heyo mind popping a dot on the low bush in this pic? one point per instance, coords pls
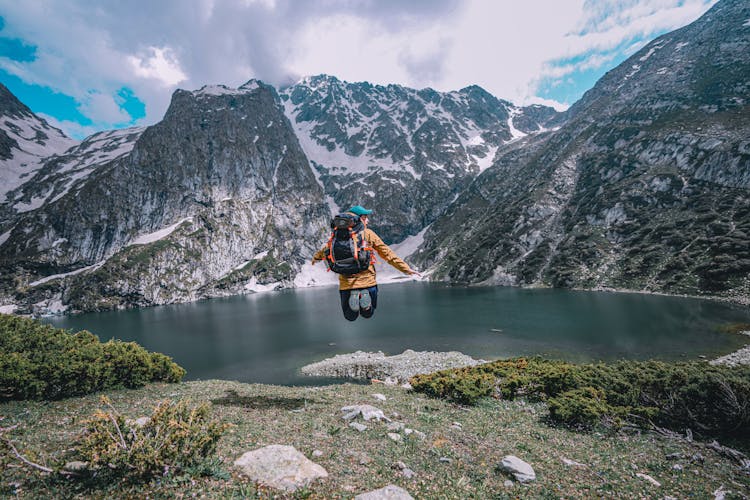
(39, 361)
(713, 400)
(177, 437)
(465, 388)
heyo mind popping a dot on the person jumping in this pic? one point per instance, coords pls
(349, 252)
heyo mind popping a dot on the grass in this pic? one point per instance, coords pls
(310, 419)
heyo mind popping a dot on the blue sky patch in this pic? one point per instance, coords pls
(44, 100)
(15, 48)
(129, 102)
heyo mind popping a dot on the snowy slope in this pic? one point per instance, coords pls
(25, 142)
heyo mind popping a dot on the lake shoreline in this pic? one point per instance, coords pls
(56, 308)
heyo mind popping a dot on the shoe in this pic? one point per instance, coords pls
(354, 300)
(365, 301)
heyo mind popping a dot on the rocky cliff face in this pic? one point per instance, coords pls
(646, 186)
(215, 199)
(407, 153)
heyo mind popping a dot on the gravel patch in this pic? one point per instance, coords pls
(398, 368)
(739, 357)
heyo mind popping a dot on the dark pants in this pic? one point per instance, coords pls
(352, 315)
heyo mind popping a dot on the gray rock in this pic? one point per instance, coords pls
(358, 426)
(648, 478)
(395, 437)
(317, 453)
(405, 471)
(572, 463)
(395, 426)
(522, 471)
(76, 466)
(281, 467)
(368, 412)
(508, 483)
(446, 460)
(379, 397)
(390, 492)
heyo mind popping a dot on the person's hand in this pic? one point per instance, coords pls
(313, 261)
(414, 273)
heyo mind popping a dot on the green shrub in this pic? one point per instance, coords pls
(583, 407)
(39, 361)
(713, 400)
(465, 388)
(176, 437)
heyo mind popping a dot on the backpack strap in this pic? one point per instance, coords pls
(330, 247)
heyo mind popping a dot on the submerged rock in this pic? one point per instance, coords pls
(399, 368)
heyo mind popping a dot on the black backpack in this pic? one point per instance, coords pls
(348, 251)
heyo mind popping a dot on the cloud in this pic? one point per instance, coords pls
(159, 64)
(92, 50)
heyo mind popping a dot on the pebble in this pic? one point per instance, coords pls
(508, 483)
(379, 397)
(358, 426)
(677, 467)
(395, 426)
(446, 460)
(395, 437)
(572, 463)
(317, 453)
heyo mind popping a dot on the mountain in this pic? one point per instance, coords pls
(405, 152)
(231, 192)
(217, 198)
(645, 186)
(25, 142)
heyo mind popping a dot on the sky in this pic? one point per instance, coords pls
(92, 65)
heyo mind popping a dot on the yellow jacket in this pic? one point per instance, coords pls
(366, 278)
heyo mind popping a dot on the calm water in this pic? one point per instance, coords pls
(267, 337)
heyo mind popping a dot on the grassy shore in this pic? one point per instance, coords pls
(452, 461)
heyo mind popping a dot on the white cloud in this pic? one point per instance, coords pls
(160, 64)
(506, 46)
(103, 108)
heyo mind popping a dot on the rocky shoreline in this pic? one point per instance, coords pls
(738, 357)
(393, 369)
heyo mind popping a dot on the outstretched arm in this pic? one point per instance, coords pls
(389, 255)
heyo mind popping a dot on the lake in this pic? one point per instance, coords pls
(267, 337)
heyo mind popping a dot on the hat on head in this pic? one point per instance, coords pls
(359, 210)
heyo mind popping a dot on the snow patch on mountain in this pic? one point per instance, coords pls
(63, 275)
(160, 234)
(36, 141)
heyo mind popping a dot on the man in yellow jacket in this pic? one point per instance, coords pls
(359, 292)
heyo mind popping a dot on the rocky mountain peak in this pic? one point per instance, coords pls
(646, 186)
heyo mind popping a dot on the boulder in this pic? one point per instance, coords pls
(522, 471)
(390, 492)
(280, 467)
